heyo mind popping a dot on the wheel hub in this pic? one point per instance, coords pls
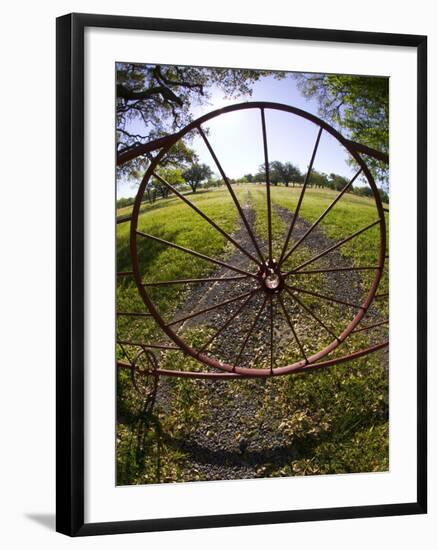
(270, 277)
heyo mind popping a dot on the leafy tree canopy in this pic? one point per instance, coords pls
(284, 172)
(172, 175)
(196, 174)
(157, 99)
(357, 106)
(337, 182)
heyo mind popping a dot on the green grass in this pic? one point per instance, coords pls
(335, 419)
(178, 223)
(349, 215)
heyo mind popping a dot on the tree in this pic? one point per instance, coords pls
(155, 100)
(284, 173)
(178, 155)
(211, 182)
(171, 175)
(337, 182)
(319, 179)
(196, 174)
(274, 175)
(151, 193)
(260, 177)
(367, 192)
(356, 105)
(124, 202)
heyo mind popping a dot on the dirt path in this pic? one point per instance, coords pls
(233, 440)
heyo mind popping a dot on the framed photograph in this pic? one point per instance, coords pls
(241, 274)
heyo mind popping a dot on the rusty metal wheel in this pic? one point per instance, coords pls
(268, 280)
(143, 377)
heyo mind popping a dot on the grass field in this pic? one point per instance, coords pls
(336, 420)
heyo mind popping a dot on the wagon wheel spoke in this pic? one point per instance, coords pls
(300, 199)
(336, 269)
(210, 308)
(125, 353)
(291, 325)
(331, 248)
(133, 314)
(250, 331)
(311, 313)
(324, 297)
(268, 183)
(322, 216)
(229, 320)
(194, 253)
(271, 330)
(206, 218)
(199, 280)
(369, 327)
(152, 346)
(232, 193)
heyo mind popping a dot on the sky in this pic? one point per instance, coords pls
(238, 141)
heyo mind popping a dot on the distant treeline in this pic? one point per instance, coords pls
(288, 174)
(280, 173)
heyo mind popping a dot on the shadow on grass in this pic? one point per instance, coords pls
(272, 459)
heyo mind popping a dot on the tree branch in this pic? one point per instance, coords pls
(131, 95)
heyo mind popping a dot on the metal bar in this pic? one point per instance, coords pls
(250, 331)
(135, 152)
(323, 297)
(124, 219)
(259, 372)
(331, 248)
(152, 346)
(125, 273)
(271, 327)
(322, 216)
(379, 155)
(133, 314)
(300, 200)
(369, 327)
(312, 314)
(125, 353)
(206, 218)
(211, 308)
(334, 269)
(268, 183)
(197, 254)
(201, 280)
(229, 320)
(349, 357)
(181, 374)
(289, 320)
(231, 191)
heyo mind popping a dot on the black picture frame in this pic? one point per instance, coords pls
(70, 273)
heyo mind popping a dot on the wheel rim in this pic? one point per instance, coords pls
(268, 275)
